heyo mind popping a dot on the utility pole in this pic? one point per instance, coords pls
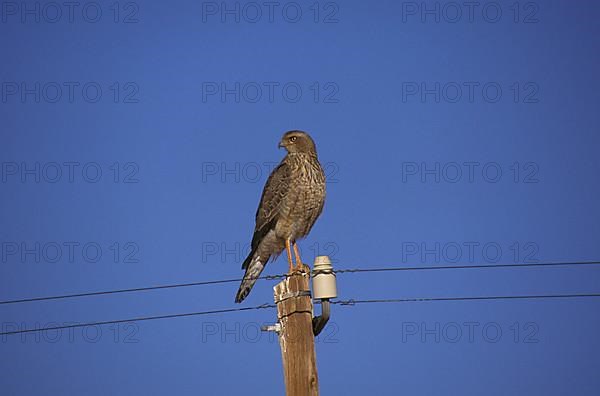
(297, 327)
(296, 339)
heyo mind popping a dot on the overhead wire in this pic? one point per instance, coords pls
(281, 276)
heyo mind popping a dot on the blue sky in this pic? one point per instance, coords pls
(136, 139)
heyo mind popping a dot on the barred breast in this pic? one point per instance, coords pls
(305, 198)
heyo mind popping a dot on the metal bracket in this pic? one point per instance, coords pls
(274, 327)
(319, 322)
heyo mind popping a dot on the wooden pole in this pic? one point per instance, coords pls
(296, 339)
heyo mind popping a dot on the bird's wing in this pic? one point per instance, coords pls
(268, 211)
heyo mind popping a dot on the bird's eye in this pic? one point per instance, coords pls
(293, 139)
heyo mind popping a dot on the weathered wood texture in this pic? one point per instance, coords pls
(296, 338)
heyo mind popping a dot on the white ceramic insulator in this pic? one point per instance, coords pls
(324, 284)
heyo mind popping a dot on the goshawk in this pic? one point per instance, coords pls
(291, 201)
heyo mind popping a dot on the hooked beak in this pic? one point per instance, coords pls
(280, 145)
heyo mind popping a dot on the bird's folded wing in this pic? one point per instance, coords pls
(273, 195)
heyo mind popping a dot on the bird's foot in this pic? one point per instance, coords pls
(301, 267)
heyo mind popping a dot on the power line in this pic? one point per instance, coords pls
(140, 319)
(425, 299)
(281, 276)
(475, 266)
(350, 302)
(136, 289)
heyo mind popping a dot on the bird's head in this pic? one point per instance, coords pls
(298, 142)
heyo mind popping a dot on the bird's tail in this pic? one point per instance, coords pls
(254, 266)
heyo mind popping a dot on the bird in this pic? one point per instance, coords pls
(291, 201)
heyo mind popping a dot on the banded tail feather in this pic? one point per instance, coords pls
(254, 266)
